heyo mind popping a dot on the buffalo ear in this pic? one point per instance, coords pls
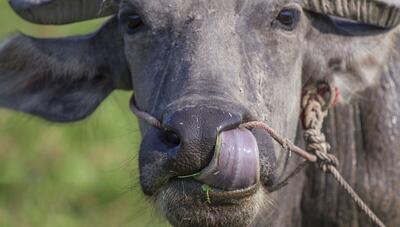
(62, 80)
(348, 53)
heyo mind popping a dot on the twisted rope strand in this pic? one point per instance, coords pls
(144, 115)
(356, 198)
(285, 143)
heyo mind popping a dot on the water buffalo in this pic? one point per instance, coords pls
(202, 67)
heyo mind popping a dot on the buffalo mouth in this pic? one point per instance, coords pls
(207, 198)
(186, 202)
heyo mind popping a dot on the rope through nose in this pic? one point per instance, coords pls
(149, 119)
(281, 140)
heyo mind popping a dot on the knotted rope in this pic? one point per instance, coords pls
(316, 102)
(315, 106)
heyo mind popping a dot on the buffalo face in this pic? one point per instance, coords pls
(203, 72)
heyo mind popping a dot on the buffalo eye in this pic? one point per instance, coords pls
(288, 18)
(132, 23)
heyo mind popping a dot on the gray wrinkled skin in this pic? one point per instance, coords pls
(232, 51)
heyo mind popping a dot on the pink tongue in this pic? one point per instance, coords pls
(235, 164)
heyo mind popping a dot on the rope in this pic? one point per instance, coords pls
(282, 141)
(328, 166)
(356, 198)
(149, 119)
(317, 100)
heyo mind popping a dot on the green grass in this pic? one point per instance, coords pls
(62, 175)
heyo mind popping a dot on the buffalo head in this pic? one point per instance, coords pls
(201, 67)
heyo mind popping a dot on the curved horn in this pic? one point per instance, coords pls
(62, 11)
(381, 13)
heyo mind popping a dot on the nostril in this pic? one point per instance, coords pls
(171, 138)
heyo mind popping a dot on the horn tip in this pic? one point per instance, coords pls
(18, 5)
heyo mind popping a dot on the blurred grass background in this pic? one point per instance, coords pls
(81, 174)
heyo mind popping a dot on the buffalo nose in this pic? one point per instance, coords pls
(191, 134)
